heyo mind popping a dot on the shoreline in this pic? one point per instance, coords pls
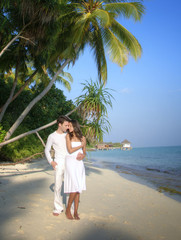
(167, 190)
(162, 179)
(129, 174)
(113, 207)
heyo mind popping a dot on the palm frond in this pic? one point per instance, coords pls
(68, 76)
(116, 49)
(65, 83)
(127, 9)
(103, 17)
(129, 41)
(99, 53)
(94, 101)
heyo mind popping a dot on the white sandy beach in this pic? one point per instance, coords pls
(111, 208)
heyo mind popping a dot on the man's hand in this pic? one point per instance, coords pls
(54, 164)
(80, 156)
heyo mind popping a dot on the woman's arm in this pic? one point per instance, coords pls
(69, 146)
(84, 145)
(81, 156)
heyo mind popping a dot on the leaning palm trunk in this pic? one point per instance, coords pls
(28, 81)
(34, 101)
(9, 44)
(11, 94)
(18, 36)
(21, 89)
(35, 130)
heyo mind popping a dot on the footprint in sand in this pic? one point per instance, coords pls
(50, 227)
(40, 238)
(112, 218)
(43, 200)
(126, 222)
(34, 195)
(35, 205)
(47, 208)
(20, 230)
(109, 195)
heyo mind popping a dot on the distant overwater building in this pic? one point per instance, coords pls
(126, 145)
(102, 146)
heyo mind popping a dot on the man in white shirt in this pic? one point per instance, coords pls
(57, 140)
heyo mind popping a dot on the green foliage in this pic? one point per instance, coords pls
(95, 25)
(93, 108)
(22, 148)
(49, 33)
(46, 110)
(2, 133)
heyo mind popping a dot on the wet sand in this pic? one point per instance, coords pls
(112, 207)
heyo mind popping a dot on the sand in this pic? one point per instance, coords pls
(113, 207)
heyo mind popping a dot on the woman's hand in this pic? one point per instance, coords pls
(80, 156)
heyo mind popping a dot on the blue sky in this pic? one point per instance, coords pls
(147, 105)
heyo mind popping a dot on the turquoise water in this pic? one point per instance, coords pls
(160, 166)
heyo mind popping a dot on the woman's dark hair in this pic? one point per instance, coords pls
(77, 130)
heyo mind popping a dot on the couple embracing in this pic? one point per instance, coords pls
(70, 149)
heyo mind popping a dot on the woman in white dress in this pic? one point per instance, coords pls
(74, 176)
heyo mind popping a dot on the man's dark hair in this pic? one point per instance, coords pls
(61, 119)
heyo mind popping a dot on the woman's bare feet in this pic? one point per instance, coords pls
(76, 216)
(68, 215)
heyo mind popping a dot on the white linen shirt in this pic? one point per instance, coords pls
(58, 141)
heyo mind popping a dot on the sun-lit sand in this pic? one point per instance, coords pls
(111, 208)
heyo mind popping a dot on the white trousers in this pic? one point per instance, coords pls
(59, 174)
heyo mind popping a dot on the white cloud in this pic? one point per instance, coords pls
(126, 90)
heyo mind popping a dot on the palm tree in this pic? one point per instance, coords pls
(92, 105)
(95, 100)
(93, 108)
(24, 23)
(93, 22)
(96, 25)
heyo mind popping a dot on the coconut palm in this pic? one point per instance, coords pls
(96, 25)
(93, 23)
(24, 25)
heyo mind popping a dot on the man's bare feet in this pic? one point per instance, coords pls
(68, 215)
(76, 216)
(56, 214)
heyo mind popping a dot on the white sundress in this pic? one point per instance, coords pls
(74, 176)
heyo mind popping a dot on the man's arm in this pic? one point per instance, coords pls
(47, 152)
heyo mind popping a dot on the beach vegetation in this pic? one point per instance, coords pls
(25, 143)
(93, 104)
(40, 38)
(2, 133)
(47, 110)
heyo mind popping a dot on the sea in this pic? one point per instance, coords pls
(157, 167)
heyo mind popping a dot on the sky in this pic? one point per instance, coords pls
(147, 105)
